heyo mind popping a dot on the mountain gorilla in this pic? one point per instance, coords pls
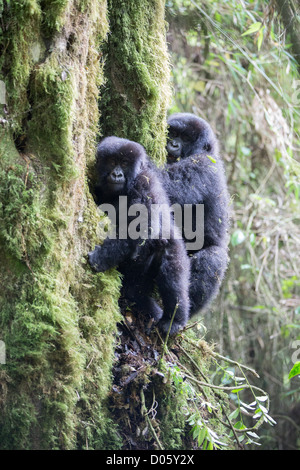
(197, 177)
(123, 169)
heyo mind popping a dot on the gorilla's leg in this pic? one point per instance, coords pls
(208, 267)
(137, 288)
(173, 285)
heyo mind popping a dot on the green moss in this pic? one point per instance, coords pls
(53, 15)
(22, 223)
(57, 319)
(172, 417)
(50, 129)
(137, 91)
(98, 325)
(22, 20)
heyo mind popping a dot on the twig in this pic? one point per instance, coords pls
(232, 428)
(224, 387)
(192, 325)
(148, 420)
(266, 254)
(192, 361)
(201, 386)
(168, 333)
(231, 361)
(214, 354)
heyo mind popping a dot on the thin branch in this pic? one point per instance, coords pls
(230, 361)
(148, 420)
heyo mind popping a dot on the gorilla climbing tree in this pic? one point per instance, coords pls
(58, 319)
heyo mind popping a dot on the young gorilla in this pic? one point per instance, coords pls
(123, 169)
(197, 177)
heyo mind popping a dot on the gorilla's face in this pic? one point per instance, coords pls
(116, 179)
(174, 147)
(188, 135)
(118, 162)
(181, 138)
(116, 174)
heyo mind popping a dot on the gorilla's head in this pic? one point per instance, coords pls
(189, 135)
(119, 161)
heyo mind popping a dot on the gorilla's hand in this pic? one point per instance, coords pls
(96, 261)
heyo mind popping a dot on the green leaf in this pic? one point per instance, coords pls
(260, 38)
(270, 420)
(239, 425)
(201, 436)
(263, 409)
(236, 390)
(195, 432)
(245, 266)
(252, 434)
(263, 398)
(253, 28)
(234, 414)
(295, 370)
(210, 446)
(252, 238)
(245, 405)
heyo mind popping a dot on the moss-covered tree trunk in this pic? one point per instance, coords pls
(136, 94)
(57, 318)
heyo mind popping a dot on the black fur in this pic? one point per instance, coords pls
(123, 169)
(197, 179)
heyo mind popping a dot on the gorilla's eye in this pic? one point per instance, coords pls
(173, 134)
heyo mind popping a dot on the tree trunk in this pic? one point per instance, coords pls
(57, 318)
(136, 94)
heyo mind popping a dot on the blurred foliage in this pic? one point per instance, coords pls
(232, 65)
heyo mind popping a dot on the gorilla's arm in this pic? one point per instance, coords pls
(110, 254)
